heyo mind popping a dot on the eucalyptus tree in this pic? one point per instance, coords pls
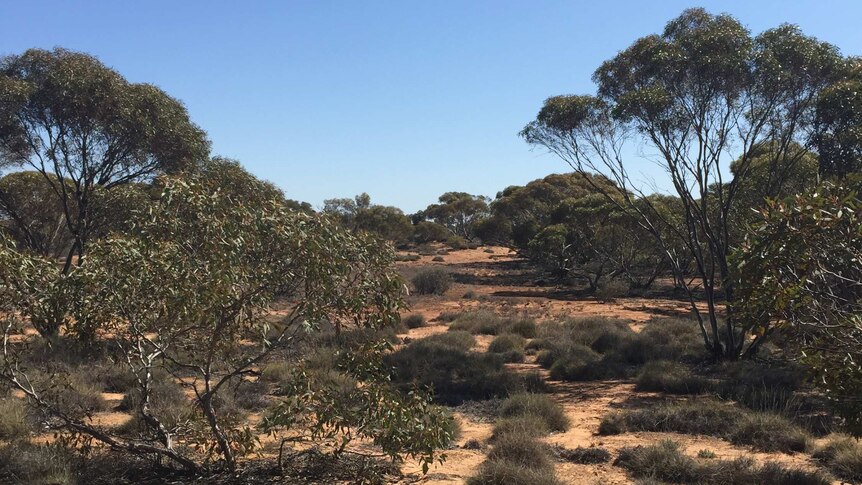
(699, 94)
(458, 211)
(190, 290)
(86, 129)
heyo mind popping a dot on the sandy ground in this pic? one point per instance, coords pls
(497, 279)
(501, 281)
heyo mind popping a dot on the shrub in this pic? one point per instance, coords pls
(510, 345)
(415, 320)
(539, 405)
(168, 403)
(481, 322)
(408, 257)
(529, 425)
(499, 472)
(441, 362)
(670, 377)
(521, 450)
(524, 327)
(114, 377)
(584, 456)
(611, 289)
(766, 432)
(761, 387)
(276, 372)
(14, 419)
(666, 463)
(447, 317)
(438, 259)
(75, 394)
(843, 456)
(457, 242)
(432, 281)
(769, 432)
(33, 464)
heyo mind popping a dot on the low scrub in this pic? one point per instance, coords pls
(444, 364)
(509, 345)
(26, 463)
(537, 405)
(432, 281)
(14, 419)
(528, 425)
(665, 462)
(415, 320)
(671, 378)
(501, 472)
(843, 456)
(762, 431)
(583, 456)
(485, 322)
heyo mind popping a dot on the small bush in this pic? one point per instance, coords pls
(432, 281)
(524, 327)
(843, 456)
(114, 377)
(25, 463)
(610, 290)
(528, 425)
(276, 372)
(706, 454)
(168, 403)
(670, 377)
(415, 320)
(769, 432)
(443, 363)
(500, 472)
(469, 295)
(584, 456)
(666, 463)
(75, 394)
(521, 450)
(438, 259)
(488, 250)
(766, 432)
(14, 419)
(408, 257)
(539, 405)
(447, 317)
(510, 345)
(457, 242)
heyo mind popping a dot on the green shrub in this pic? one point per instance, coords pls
(666, 463)
(611, 289)
(408, 257)
(584, 456)
(670, 377)
(447, 317)
(74, 393)
(114, 377)
(14, 419)
(529, 425)
(766, 432)
(843, 456)
(276, 372)
(769, 432)
(438, 259)
(168, 403)
(524, 327)
(457, 242)
(762, 387)
(432, 281)
(480, 322)
(30, 464)
(539, 405)
(500, 472)
(510, 345)
(415, 320)
(441, 362)
(521, 450)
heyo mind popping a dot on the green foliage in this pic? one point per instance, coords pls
(458, 212)
(584, 456)
(443, 364)
(75, 120)
(843, 456)
(839, 117)
(14, 419)
(358, 214)
(427, 231)
(666, 462)
(37, 465)
(763, 431)
(537, 405)
(432, 281)
(510, 345)
(486, 322)
(415, 320)
(799, 272)
(671, 378)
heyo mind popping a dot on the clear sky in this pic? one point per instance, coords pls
(403, 99)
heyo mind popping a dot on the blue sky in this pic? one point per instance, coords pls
(404, 100)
